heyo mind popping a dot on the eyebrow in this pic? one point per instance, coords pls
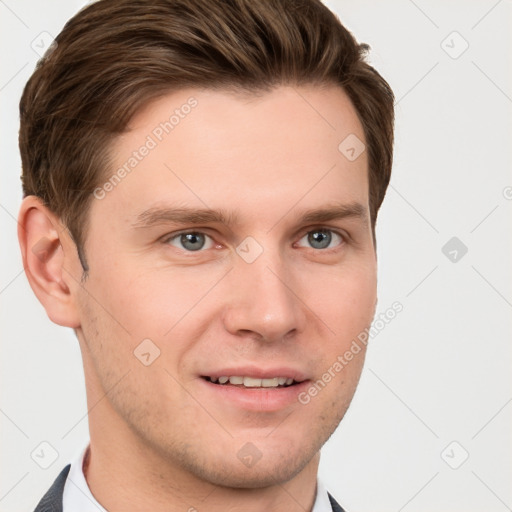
(162, 215)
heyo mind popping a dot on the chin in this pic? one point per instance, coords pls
(263, 474)
(272, 464)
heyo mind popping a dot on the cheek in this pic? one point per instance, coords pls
(146, 302)
(155, 311)
(346, 299)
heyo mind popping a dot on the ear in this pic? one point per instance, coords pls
(44, 242)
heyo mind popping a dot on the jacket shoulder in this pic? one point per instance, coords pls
(336, 507)
(52, 500)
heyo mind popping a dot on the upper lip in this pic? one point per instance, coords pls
(258, 372)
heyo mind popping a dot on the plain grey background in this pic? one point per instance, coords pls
(429, 427)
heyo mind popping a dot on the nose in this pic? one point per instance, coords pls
(264, 300)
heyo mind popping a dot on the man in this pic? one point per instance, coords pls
(202, 181)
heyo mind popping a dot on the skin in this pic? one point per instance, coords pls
(160, 438)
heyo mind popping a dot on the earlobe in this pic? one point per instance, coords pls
(41, 237)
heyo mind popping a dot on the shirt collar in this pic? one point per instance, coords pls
(77, 496)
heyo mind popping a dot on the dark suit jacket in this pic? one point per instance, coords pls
(52, 500)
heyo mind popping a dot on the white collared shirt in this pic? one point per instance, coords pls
(77, 496)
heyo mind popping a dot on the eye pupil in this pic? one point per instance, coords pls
(190, 241)
(323, 238)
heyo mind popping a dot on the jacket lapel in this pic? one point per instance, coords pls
(335, 505)
(52, 500)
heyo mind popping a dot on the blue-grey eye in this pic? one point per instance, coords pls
(322, 238)
(191, 241)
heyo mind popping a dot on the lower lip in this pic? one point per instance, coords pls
(256, 399)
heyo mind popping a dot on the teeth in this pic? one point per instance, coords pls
(251, 382)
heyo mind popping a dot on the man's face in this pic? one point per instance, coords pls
(263, 293)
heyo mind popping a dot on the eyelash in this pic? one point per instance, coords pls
(167, 239)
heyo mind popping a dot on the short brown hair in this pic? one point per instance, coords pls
(115, 55)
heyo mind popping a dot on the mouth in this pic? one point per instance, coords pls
(254, 388)
(248, 382)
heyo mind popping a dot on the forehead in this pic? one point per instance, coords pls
(266, 153)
